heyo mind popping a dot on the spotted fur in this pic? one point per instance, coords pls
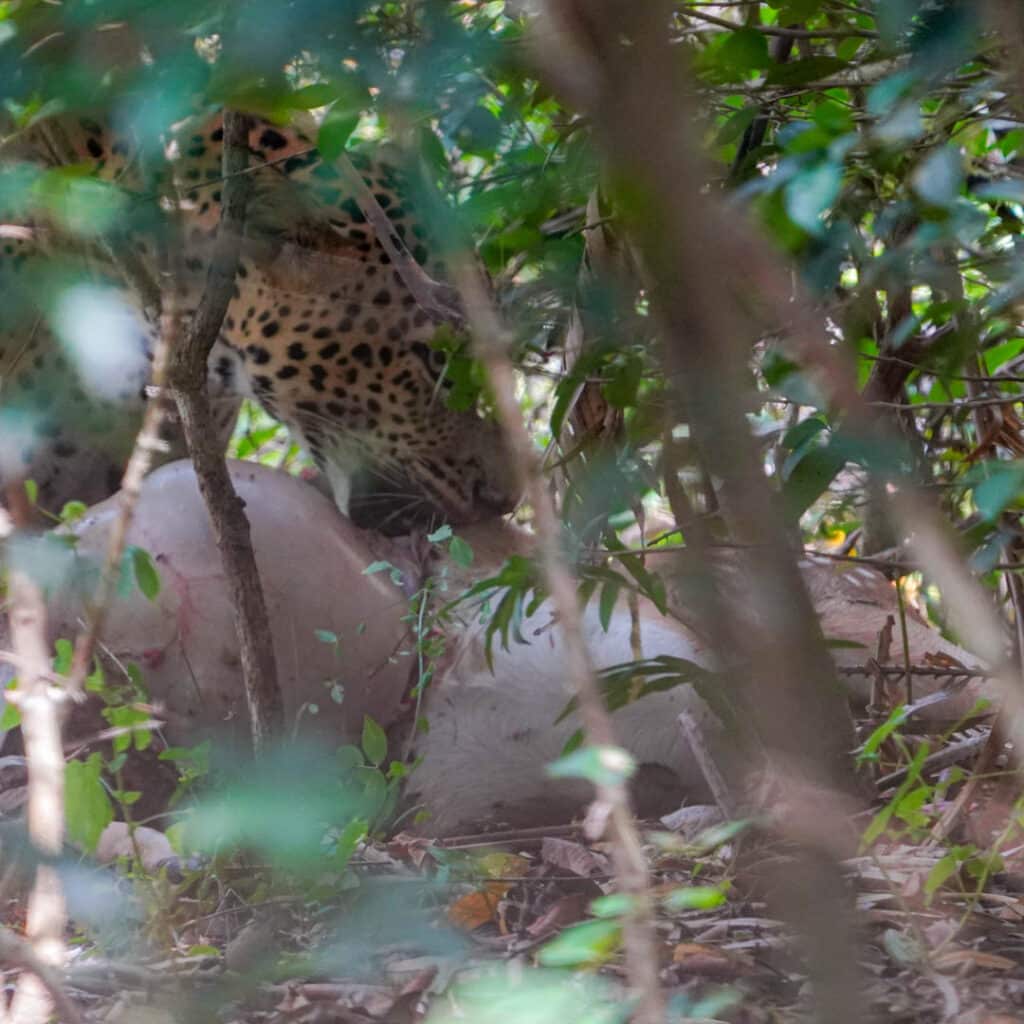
(321, 329)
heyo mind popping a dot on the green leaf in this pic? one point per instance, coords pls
(72, 511)
(11, 717)
(147, 578)
(600, 765)
(609, 595)
(592, 942)
(944, 869)
(798, 10)
(309, 97)
(349, 757)
(621, 390)
(736, 125)
(348, 842)
(810, 477)
(31, 491)
(335, 131)
(810, 195)
(63, 653)
(374, 742)
(695, 897)
(939, 178)
(796, 437)
(461, 552)
(1003, 484)
(87, 807)
(835, 118)
(325, 636)
(1009, 191)
(617, 904)
(442, 533)
(255, 806)
(801, 72)
(746, 49)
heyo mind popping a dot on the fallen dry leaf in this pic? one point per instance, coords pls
(573, 857)
(693, 958)
(974, 958)
(568, 910)
(477, 908)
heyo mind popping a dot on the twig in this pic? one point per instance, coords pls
(947, 823)
(436, 298)
(695, 740)
(188, 372)
(147, 444)
(785, 33)
(490, 340)
(952, 754)
(17, 952)
(902, 606)
(42, 710)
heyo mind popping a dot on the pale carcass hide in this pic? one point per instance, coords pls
(490, 733)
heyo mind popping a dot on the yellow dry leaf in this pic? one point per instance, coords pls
(477, 908)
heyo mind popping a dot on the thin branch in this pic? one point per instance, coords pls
(148, 443)
(786, 33)
(950, 407)
(188, 373)
(18, 952)
(437, 299)
(491, 342)
(42, 709)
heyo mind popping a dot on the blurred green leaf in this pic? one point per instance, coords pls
(599, 765)
(147, 577)
(335, 131)
(1003, 483)
(374, 742)
(800, 72)
(810, 476)
(939, 178)
(746, 49)
(810, 195)
(590, 943)
(461, 552)
(696, 897)
(87, 807)
(532, 997)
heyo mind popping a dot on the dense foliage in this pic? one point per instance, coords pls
(876, 145)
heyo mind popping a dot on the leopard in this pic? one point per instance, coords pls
(321, 330)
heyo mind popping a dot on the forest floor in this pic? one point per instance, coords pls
(940, 926)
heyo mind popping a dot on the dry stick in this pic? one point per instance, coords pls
(491, 344)
(583, 48)
(42, 710)
(188, 373)
(40, 702)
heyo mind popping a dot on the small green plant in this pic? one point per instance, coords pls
(370, 779)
